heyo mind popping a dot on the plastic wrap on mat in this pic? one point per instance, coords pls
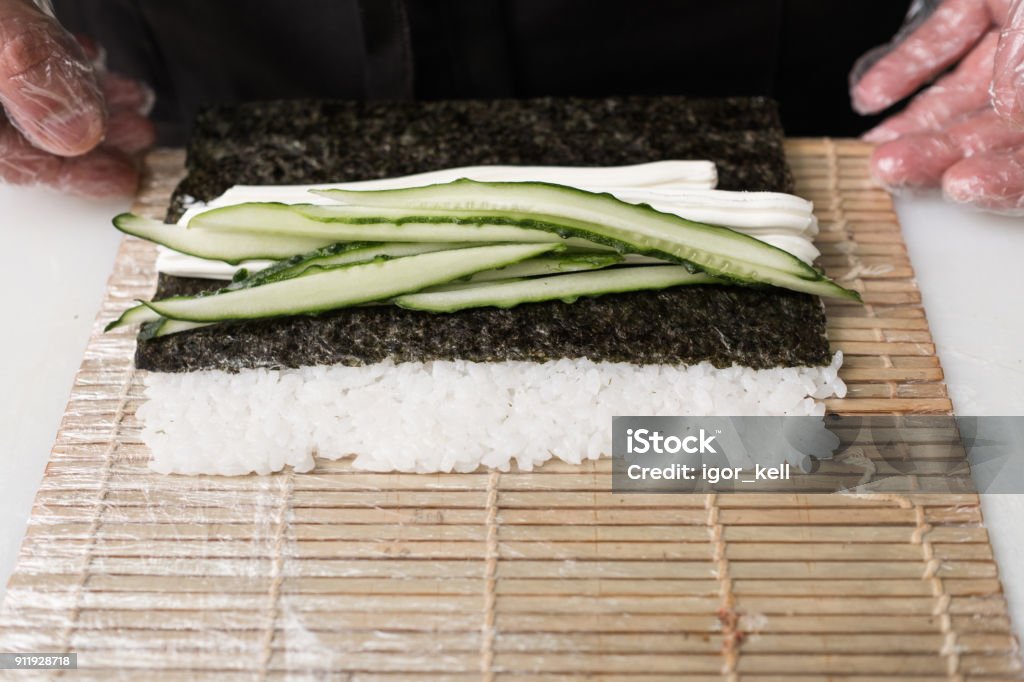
(346, 574)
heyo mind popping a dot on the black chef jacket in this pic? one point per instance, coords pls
(195, 52)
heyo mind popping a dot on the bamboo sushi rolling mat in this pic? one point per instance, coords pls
(342, 574)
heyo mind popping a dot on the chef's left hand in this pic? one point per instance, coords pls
(65, 121)
(965, 133)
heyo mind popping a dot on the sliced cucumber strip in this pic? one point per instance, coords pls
(341, 287)
(568, 288)
(604, 219)
(551, 264)
(138, 314)
(224, 246)
(336, 255)
(339, 224)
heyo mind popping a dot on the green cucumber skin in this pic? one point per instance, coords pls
(567, 288)
(227, 247)
(345, 286)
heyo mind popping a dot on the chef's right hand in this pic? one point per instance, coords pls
(965, 132)
(66, 122)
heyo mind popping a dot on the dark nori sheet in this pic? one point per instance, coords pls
(757, 328)
(317, 141)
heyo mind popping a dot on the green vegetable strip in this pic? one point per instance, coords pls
(345, 286)
(335, 255)
(348, 224)
(223, 246)
(568, 288)
(138, 314)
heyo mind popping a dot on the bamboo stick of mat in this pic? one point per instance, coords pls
(344, 574)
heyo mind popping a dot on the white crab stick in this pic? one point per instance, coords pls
(749, 212)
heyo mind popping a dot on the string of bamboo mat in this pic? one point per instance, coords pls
(545, 575)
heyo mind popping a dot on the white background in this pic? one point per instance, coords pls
(58, 253)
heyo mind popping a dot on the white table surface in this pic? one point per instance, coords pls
(59, 251)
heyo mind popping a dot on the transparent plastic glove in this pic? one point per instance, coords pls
(1008, 78)
(66, 123)
(963, 133)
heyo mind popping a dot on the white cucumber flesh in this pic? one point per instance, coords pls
(223, 246)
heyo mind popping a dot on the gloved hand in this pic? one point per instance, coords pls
(69, 124)
(965, 133)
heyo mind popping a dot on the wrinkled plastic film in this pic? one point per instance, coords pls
(46, 6)
(60, 105)
(50, 92)
(998, 176)
(917, 14)
(953, 97)
(1008, 76)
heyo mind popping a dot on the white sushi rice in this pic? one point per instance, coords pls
(444, 416)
